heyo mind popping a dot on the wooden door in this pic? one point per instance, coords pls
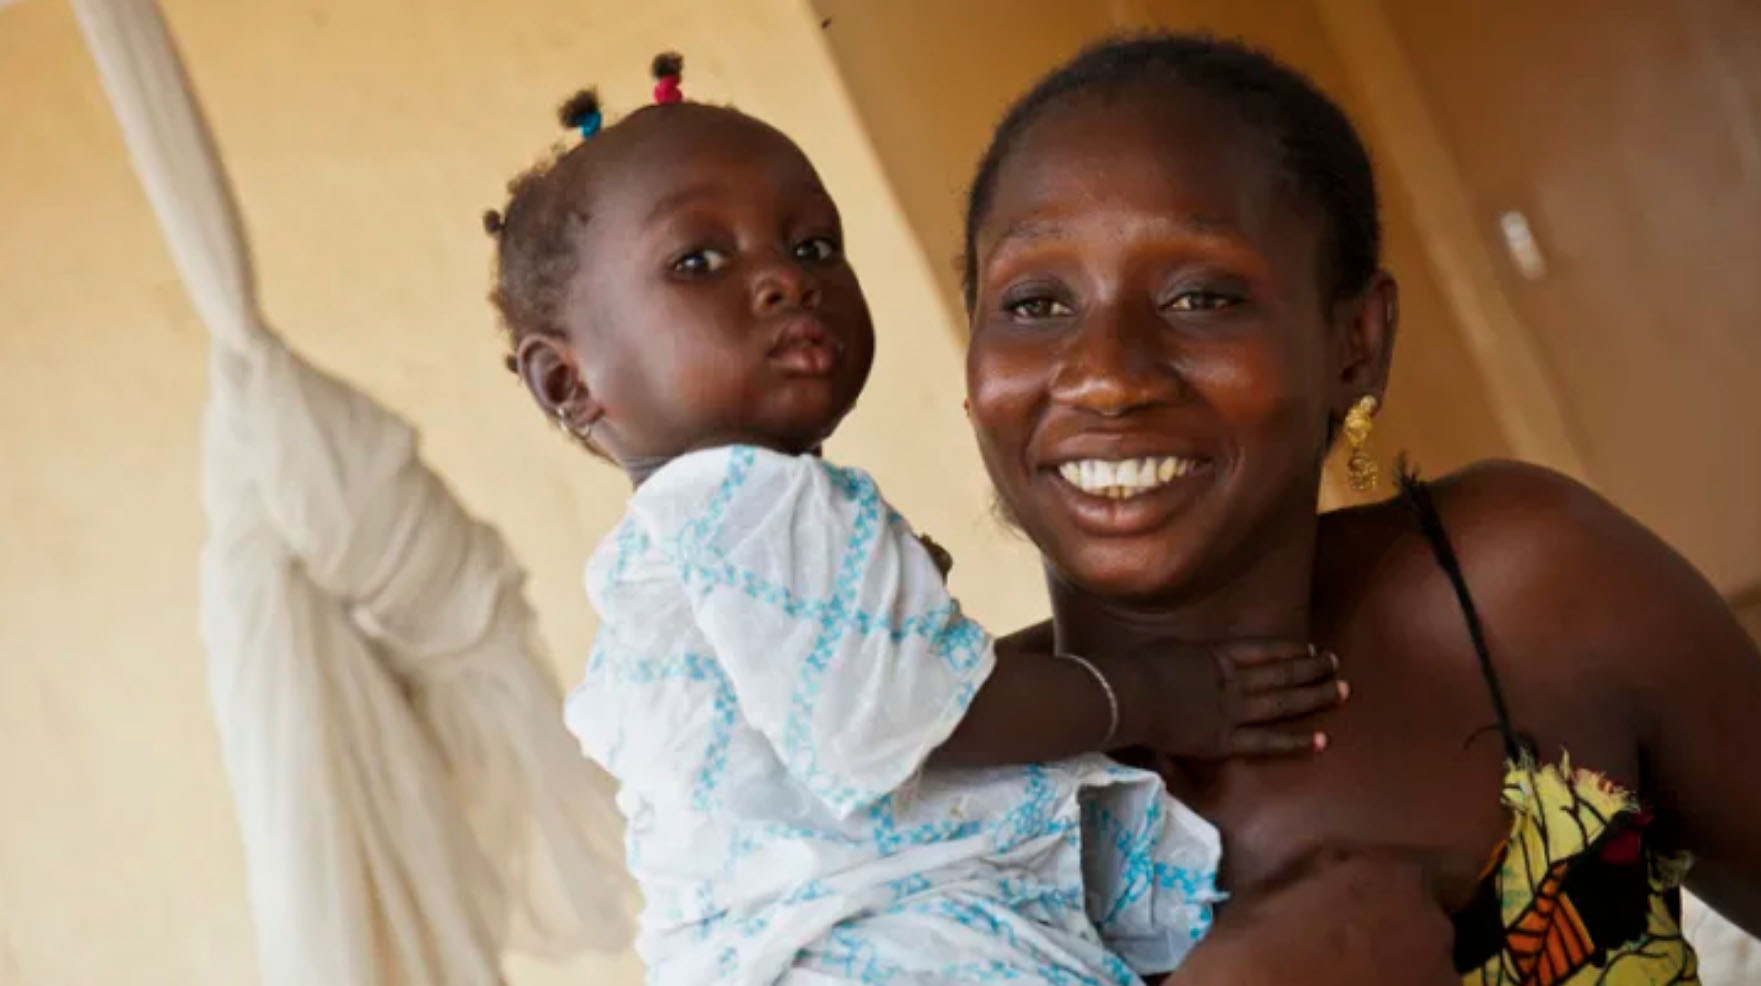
(1623, 139)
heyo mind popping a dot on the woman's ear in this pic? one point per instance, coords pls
(1365, 350)
(547, 367)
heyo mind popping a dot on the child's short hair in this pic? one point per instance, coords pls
(536, 256)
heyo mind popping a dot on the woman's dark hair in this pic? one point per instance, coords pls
(536, 256)
(1318, 150)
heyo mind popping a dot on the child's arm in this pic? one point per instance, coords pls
(843, 647)
(1036, 707)
(830, 621)
(1185, 700)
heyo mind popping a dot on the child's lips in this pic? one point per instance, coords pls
(804, 347)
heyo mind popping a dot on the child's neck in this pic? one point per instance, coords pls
(640, 468)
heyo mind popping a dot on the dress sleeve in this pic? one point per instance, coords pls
(830, 619)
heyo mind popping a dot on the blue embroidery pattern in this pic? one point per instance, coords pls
(767, 711)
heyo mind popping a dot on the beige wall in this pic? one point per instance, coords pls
(364, 137)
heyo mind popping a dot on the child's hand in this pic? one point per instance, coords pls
(1228, 700)
(938, 554)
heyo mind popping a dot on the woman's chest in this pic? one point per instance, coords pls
(1415, 763)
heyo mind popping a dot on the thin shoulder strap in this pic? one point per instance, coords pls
(1417, 495)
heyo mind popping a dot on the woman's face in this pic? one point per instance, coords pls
(1152, 367)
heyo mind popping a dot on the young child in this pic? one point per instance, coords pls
(828, 773)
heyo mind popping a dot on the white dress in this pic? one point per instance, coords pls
(777, 656)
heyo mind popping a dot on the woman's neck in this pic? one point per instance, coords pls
(1268, 597)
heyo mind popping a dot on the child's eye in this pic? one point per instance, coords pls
(698, 262)
(1201, 301)
(1037, 308)
(818, 250)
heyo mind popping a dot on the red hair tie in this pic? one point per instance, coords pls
(668, 68)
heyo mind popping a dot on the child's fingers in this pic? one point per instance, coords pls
(1274, 743)
(1252, 653)
(1273, 676)
(1289, 703)
(944, 562)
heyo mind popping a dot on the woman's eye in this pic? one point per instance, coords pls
(1201, 301)
(818, 250)
(1036, 308)
(698, 262)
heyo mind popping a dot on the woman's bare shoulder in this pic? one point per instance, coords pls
(1553, 567)
(1530, 530)
(1493, 498)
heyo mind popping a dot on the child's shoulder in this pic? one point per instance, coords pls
(746, 488)
(622, 554)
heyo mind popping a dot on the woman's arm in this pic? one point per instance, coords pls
(1695, 677)
(1575, 576)
(1336, 919)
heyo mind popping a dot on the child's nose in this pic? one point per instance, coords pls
(782, 286)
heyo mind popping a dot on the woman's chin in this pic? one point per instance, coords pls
(1125, 569)
(1139, 547)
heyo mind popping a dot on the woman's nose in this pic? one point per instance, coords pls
(1114, 363)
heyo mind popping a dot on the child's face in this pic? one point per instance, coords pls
(714, 303)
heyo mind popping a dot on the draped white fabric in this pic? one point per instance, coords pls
(409, 800)
(1728, 957)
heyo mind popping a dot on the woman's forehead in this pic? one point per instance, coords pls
(1180, 160)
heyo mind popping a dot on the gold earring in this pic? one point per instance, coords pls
(1360, 467)
(564, 422)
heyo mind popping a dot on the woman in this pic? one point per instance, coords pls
(1172, 250)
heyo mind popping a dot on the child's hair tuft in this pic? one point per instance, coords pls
(667, 64)
(578, 109)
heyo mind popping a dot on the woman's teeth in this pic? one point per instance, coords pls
(1122, 480)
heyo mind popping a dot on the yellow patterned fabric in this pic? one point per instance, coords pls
(1575, 896)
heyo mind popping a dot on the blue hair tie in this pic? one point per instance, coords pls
(590, 124)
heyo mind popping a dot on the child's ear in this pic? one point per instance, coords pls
(1367, 325)
(548, 369)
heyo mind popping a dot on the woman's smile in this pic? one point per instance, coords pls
(1114, 498)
